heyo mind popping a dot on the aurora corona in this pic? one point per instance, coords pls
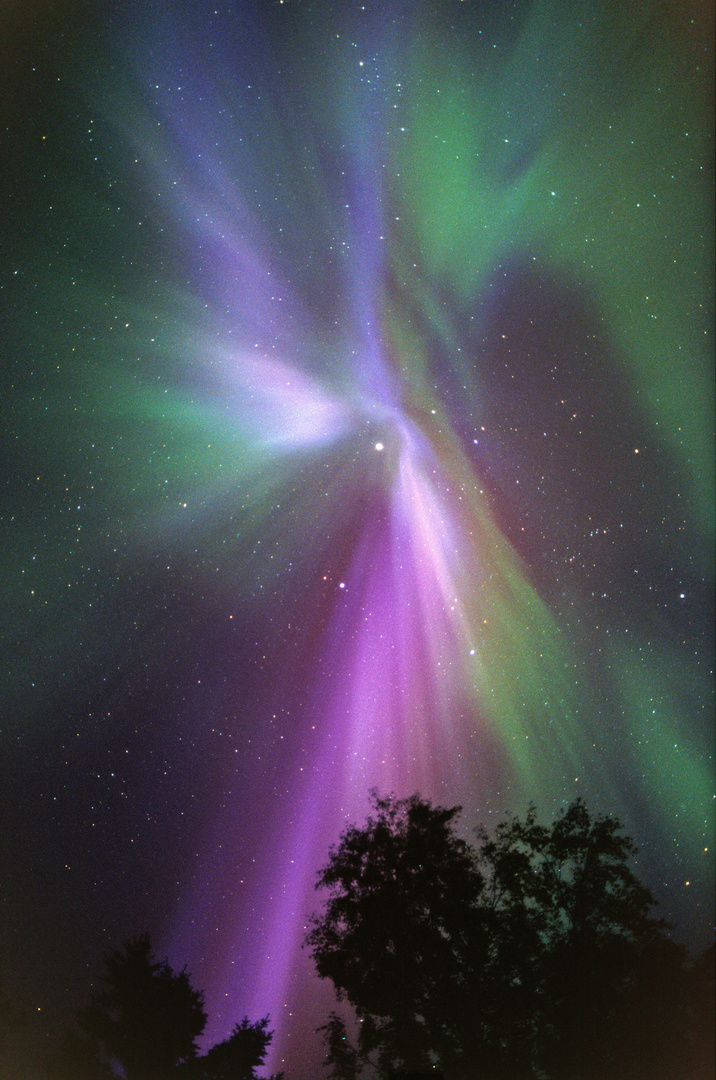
(367, 410)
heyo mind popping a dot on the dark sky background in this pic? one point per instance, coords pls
(357, 430)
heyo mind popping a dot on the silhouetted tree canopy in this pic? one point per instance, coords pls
(702, 1009)
(534, 954)
(236, 1058)
(147, 1017)
(78, 1058)
(144, 1025)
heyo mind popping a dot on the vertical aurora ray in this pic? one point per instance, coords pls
(376, 352)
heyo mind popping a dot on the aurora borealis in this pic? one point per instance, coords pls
(358, 432)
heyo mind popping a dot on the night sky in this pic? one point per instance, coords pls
(357, 430)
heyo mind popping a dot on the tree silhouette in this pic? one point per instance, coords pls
(237, 1058)
(532, 955)
(702, 1009)
(585, 971)
(78, 1058)
(143, 1025)
(147, 1017)
(343, 1058)
(404, 893)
